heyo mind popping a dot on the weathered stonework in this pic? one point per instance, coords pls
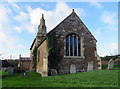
(42, 59)
(37, 41)
(70, 25)
(24, 63)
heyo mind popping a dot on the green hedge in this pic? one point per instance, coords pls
(115, 66)
(109, 57)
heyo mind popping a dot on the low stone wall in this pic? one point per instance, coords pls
(25, 65)
(106, 62)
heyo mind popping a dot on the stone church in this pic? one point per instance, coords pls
(67, 48)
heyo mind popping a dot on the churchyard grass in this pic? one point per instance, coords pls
(98, 78)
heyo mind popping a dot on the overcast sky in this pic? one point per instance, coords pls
(19, 24)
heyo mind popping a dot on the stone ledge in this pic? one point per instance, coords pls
(73, 57)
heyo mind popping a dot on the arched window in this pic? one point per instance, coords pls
(73, 45)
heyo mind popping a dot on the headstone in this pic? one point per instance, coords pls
(117, 61)
(83, 70)
(53, 72)
(19, 65)
(24, 74)
(110, 64)
(90, 66)
(5, 69)
(10, 71)
(72, 68)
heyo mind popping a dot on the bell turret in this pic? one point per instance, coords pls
(41, 31)
(42, 26)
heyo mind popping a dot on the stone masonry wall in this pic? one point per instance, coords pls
(72, 24)
(41, 53)
(25, 65)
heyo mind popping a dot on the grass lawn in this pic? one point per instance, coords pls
(99, 78)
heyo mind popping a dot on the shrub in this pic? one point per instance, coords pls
(33, 74)
(104, 67)
(115, 66)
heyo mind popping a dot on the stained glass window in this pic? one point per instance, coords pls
(73, 45)
(67, 46)
(79, 47)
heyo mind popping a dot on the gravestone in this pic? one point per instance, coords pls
(72, 68)
(10, 71)
(19, 65)
(5, 69)
(117, 61)
(110, 64)
(90, 66)
(24, 74)
(83, 70)
(53, 72)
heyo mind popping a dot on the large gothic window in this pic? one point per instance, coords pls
(73, 45)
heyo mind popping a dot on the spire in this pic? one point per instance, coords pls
(73, 10)
(42, 20)
(43, 16)
(41, 31)
(19, 56)
(42, 26)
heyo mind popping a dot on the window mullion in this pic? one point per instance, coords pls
(73, 44)
(79, 52)
(77, 45)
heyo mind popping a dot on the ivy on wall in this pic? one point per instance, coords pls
(35, 58)
(53, 48)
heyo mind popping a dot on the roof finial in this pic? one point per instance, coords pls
(19, 56)
(42, 20)
(42, 15)
(72, 10)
